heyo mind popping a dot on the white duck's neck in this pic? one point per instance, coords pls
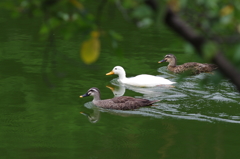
(122, 75)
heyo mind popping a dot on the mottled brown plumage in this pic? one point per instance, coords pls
(120, 103)
(191, 67)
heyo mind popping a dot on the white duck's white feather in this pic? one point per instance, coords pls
(143, 80)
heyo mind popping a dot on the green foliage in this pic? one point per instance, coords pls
(216, 20)
(209, 50)
(142, 11)
(237, 54)
(188, 48)
(115, 38)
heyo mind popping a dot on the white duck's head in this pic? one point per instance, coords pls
(118, 70)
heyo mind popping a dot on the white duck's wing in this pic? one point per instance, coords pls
(145, 80)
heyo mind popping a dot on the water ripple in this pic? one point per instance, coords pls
(184, 101)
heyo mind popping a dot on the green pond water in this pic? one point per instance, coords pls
(42, 116)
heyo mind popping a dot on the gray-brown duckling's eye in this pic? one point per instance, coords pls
(90, 92)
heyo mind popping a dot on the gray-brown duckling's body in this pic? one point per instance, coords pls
(120, 103)
(192, 67)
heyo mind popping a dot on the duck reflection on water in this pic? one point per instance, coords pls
(153, 92)
(94, 116)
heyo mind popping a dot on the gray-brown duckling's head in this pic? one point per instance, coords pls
(94, 91)
(169, 58)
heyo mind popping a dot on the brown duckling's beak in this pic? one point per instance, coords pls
(162, 61)
(84, 95)
(110, 73)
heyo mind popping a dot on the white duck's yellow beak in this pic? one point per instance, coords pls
(110, 73)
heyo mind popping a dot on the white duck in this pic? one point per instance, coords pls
(143, 80)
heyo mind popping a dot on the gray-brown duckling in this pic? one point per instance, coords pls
(191, 67)
(120, 103)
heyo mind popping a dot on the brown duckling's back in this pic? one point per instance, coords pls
(191, 67)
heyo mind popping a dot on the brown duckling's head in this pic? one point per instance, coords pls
(169, 58)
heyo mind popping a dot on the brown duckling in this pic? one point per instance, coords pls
(120, 103)
(192, 67)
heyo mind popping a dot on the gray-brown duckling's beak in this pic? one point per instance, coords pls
(84, 95)
(162, 61)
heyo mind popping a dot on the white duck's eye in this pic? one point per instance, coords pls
(115, 68)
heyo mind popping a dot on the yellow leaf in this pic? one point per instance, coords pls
(77, 4)
(238, 28)
(174, 5)
(90, 48)
(226, 10)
